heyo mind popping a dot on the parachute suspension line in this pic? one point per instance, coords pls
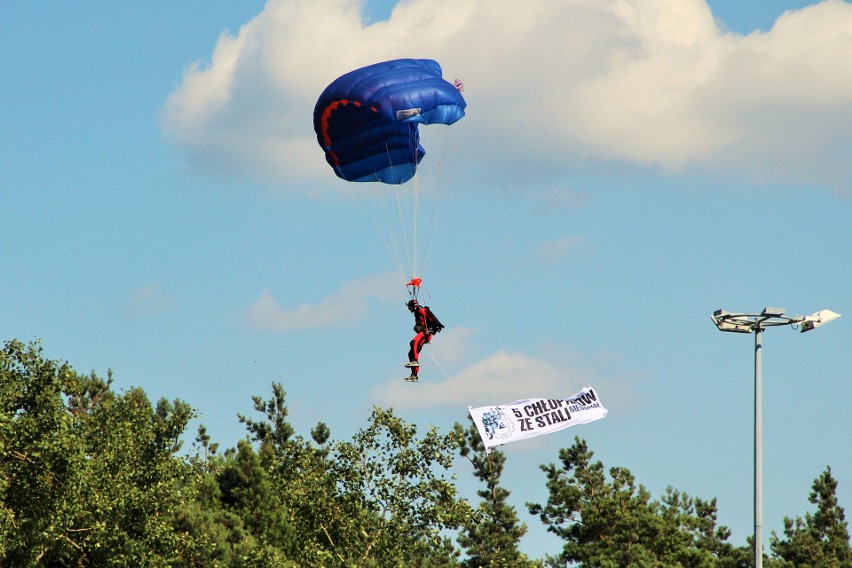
(393, 209)
(424, 196)
(405, 197)
(396, 230)
(405, 215)
(416, 268)
(397, 195)
(441, 146)
(412, 211)
(375, 199)
(384, 198)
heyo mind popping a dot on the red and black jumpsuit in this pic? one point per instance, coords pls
(422, 338)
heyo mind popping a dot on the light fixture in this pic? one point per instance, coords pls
(756, 323)
(817, 319)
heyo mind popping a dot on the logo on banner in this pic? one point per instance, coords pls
(497, 425)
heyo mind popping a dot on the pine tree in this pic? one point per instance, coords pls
(491, 536)
(609, 522)
(820, 540)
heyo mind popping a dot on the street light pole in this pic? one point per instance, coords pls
(758, 448)
(757, 323)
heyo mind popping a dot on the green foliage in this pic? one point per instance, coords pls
(615, 523)
(377, 500)
(91, 477)
(274, 429)
(209, 531)
(396, 481)
(820, 540)
(38, 470)
(249, 491)
(301, 475)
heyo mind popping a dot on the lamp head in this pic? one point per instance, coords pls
(817, 319)
(727, 321)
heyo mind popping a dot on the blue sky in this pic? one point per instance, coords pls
(624, 169)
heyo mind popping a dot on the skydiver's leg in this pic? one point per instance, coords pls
(412, 353)
(416, 344)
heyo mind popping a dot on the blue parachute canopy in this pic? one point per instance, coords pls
(366, 120)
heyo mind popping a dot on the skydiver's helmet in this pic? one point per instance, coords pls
(412, 305)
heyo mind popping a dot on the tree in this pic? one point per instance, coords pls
(397, 478)
(820, 540)
(377, 500)
(301, 475)
(88, 477)
(616, 524)
(250, 492)
(490, 537)
(212, 533)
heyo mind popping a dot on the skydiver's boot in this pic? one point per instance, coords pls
(411, 379)
(412, 364)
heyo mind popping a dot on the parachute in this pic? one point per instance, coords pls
(367, 123)
(366, 120)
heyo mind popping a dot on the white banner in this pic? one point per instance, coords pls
(532, 417)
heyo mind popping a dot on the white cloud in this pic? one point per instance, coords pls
(654, 82)
(342, 308)
(147, 301)
(558, 249)
(501, 377)
(554, 200)
(454, 345)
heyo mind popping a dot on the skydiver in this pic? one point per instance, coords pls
(425, 326)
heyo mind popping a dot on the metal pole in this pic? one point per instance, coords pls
(758, 451)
